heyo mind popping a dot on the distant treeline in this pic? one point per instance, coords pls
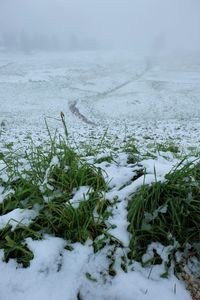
(27, 43)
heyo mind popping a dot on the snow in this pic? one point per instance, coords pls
(79, 195)
(119, 219)
(4, 194)
(159, 167)
(59, 274)
(42, 280)
(135, 286)
(152, 99)
(16, 216)
(42, 85)
(116, 175)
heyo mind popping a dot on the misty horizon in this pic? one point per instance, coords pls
(150, 25)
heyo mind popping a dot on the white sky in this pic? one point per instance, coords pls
(114, 23)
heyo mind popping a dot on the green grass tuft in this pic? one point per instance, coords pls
(48, 177)
(167, 212)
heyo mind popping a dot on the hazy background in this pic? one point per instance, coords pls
(148, 25)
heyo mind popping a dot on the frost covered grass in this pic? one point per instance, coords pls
(118, 200)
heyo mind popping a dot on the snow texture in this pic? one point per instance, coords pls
(151, 99)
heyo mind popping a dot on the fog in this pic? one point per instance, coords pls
(148, 25)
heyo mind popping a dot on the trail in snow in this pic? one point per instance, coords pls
(120, 86)
(158, 97)
(74, 109)
(6, 65)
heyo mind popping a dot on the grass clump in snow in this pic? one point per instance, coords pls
(49, 180)
(73, 224)
(130, 148)
(166, 212)
(14, 245)
(169, 146)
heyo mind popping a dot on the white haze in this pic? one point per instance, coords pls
(141, 24)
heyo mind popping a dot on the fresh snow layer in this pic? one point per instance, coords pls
(16, 216)
(80, 194)
(55, 273)
(152, 99)
(116, 175)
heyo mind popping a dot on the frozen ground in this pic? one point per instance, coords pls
(146, 96)
(154, 99)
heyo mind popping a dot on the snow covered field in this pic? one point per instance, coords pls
(154, 99)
